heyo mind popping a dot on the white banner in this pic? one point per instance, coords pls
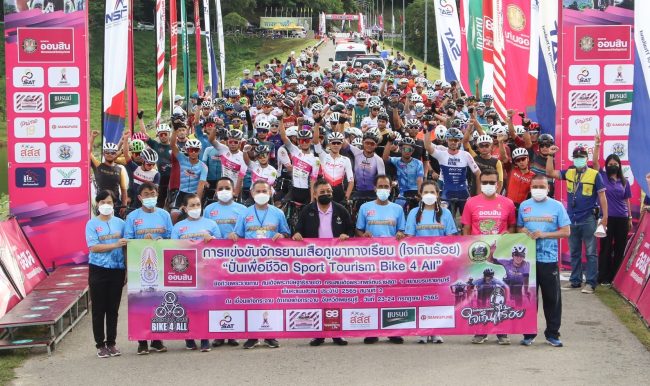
(208, 43)
(499, 58)
(448, 27)
(548, 39)
(160, 56)
(222, 49)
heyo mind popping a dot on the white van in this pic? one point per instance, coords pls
(299, 33)
(347, 51)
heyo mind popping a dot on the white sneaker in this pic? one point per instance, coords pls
(437, 339)
(423, 340)
(587, 289)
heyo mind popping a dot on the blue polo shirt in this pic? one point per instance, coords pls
(105, 232)
(544, 216)
(579, 206)
(381, 220)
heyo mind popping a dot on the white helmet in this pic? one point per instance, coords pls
(163, 128)
(441, 131)
(334, 117)
(292, 131)
(361, 95)
(519, 152)
(358, 142)
(335, 137)
(415, 98)
(317, 107)
(263, 125)
(430, 94)
(475, 135)
(484, 139)
(109, 146)
(149, 156)
(520, 130)
(374, 103)
(412, 123)
(193, 144)
(499, 130)
(519, 249)
(320, 91)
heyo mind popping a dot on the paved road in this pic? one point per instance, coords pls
(598, 350)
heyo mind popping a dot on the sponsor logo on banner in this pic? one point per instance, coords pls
(589, 145)
(65, 152)
(45, 45)
(580, 75)
(29, 102)
(148, 268)
(517, 22)
(304, 320)
(360, 319)
(603, 42)
(618, 147)
(28, 77)
(65, 127)
(584, 100)
(397, 318)
(65, 177)
(30, 177)
(29, 127)
(619, 74)
(584, 125)
(618, 100)
(495, 311)
(617, 124)
(29, 153)
(332, 319)
(436, 317)
(63, 77)
(170, 315)
(227, 321)
(64, 102)
(179, 267)
(265, 320)
(119, 13)
(445, 8)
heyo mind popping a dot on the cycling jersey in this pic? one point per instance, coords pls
(283, 158)
(164, 151)
(366, 169)
(369, 122)
(304, 167)
(190, 175)
(139, 223)
(140, 176)
(232, 164)
(224, 215)
(514, 275)
(408, 173)
(108, 177)
(519, 185)
(453, 168)
(334, 169)
(213, 162)
(267, 173)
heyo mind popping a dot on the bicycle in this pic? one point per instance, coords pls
(291, 211)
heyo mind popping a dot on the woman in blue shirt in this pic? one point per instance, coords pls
(196, 228)
(430, 219)
(106, 242)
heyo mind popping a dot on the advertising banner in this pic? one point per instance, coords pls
(46, 56)
(18, 258)
(448, 28)
(8, 295)
(330, 288)
(632, 276)
(545, 13)
(516, 33)
(475, 39)
(285, 22)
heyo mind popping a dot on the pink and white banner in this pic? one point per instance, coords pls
(18, 258)
(329, 288)
(160, 57)
(516, 32)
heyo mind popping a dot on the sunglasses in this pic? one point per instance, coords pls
(303, 140)
(407, 149)
(233, 142)
(335, 143)
(484, 145)
(488, 182)
(520, 159)
(110, 153)
(375, 109)
(262, 131)
(193, 150)
(544, 145)
(149, 164)
(136, 154)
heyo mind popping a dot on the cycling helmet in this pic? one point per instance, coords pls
(253, 141)
(382, 116)
(288, 103)
(317, 107)
(267, 102)
(335, 137)
(273, 120)
(305, 134)
(338, 107)
(546, 139)
(319, 91)
(306, 121)
(313, 99)
(499, 130)
(136, 146)
(446, 85)
(437, 83)
(193, 144)
(519, 152)
(412, 123)
(480, 106)
(339, 87)
(419, 107)
(374, 103)
(263, 149)
(454, 133)
(456, 123)
(235, 134)
(484, 139)
(149, 156)
(242, 115)
(415, 98)
(178, 117)
(398, 138)
(487, 97)
(140, 135)
(206, 104)
(408, 141)
(234, 92)
(358, 142)
(301, 88)
(488, 272)
(334, 117)
(430, 94)
(519, 249)
(354, 131)
(441, 131)
(292, 131)
(108, 146)
(262, 125)
(361, 95)
(372, 134)
(228, 106)
(520, 130)
(475, 136)
(163, 128)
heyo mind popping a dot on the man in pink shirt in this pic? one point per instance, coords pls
(489, 213)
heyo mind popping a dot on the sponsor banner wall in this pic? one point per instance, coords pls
(18, 258)
(329, 288)
(47, 114)
(271, 22)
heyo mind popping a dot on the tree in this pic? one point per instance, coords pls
(234, 21)
(415, 31)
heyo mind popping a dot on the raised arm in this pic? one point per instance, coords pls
(550, 168)
(596, 156)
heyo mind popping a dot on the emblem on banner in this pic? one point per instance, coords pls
(516, 17)
(479, 251)
(149, 269)
(170, 316)
(619, 149)
(30, 45)
(587, 43)
(65, 152)
(180, 268)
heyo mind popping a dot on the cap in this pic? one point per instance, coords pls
(178, 98)
(580, 151)
(195, 95)
(247, 71)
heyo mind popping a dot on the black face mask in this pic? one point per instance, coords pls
(611, 169)
(325, 199)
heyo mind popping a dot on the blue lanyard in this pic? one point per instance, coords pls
(258, 217)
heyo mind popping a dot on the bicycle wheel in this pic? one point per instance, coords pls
(170, 297)
(161, 312)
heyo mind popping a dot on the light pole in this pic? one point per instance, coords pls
(426, 28)
(403, 28)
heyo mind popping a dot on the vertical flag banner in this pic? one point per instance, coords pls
(132, 95)
(116, 52)
(464, 58)
(547, 58)
(475, 41)
(448, 28)
(46, 57)
(499, 57)
(222, 48)
(186, 54)
(516, 33)
(197, 35)
(208, 47)
(487, 87)
(160, 57)
(173, 52)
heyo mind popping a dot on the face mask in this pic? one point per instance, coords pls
(488, 190)
(105, 209)
(261, 198)
(149, 202)
(325, 199)
(538, 194)
(611, 169)
(382, 194)
(224, 195)
(580, 162)
(194, 213)
(429, 199)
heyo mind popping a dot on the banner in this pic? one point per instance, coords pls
(212, 66)
(173, 57)
(160, 57)
(517, 34)
(546, 69)
(8, 295)
(475, 41)
(632, 276)
(329, 288)
(47, 112)
(116, 52)
(448, 28)
(131, 90)
(498, 55)
(487, 86)
(466, 84)
(197, 35)
(285, 22)
(186, 56)
(222, 47)
(18, 258)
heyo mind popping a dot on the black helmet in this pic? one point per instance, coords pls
(382, 116)
(488, 272)
(337, 108)
(546, 139)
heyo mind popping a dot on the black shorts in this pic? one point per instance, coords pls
(176, 199)
(302, 196)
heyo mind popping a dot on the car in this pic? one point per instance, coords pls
(361, 60)
(347, 51)
(144, 26)
(189, 25)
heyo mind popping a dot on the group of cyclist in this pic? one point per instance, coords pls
(397, 153)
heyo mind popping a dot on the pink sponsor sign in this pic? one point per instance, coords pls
(19, 259)
(633, 274)
(329, 288)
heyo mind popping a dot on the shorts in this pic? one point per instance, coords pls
(176, 199)
(302, 196)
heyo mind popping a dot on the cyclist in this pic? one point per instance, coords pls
(367, 166)
(305, 166)
(486, 287)
(260, 168)
(517, 273)
(192, 176)
(146, 172)
(163, 148)
(410, 171)
(485, 160)
(520, 177)
(108, 174)
(232, 158)
(335, 168)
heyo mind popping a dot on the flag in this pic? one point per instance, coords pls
(487, 86)
(132, 95)
(160, 57)
(173, 57)
(197, 38)
(222, 48)
(448, 28)
(475, 41)
(499, 58)
(186, 54)
(546, 98)
(208, 46)
(516, 35)
(464, 59)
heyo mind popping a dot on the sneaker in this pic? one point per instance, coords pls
(251, 343)
(233, 342)
(340, 341)
(588, 289)
(370, 340)
(113, 351)
(437, 339)
(218, 342)
(503, 340)
(103, 352)
(158, 346)
(205, 345)
(396, 339)
(479, 339)
(423, 340)
(526, 341)
(190, 344)
(272, 343)
(555, 342)
(143, 348)
(572, 285)
(317, 342)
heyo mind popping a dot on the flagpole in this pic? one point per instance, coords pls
(392, 23)
(403, 28)
(426, 28)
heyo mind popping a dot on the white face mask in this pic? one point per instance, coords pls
(429, 198)
(224, 195)
(383, 194)
(105, 209)
(194, 213)
(488, 190)
(538, 194)
(262, 198)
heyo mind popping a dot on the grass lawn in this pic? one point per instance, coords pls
(433, 73)
(9, 360)
(625, 313)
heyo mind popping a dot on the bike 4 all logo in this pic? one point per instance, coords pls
(149, 269)
(618, 100)
(30, 177)
(45, 45)
(603, 42)
(65, 102)
(65, 177)
(494, 311)
(29, 127)
(65, 152)
(179, 267)
(29, 102)
(31, 77)
(170, 316)
(360, 319)
(398, 318)
(29, 153)
(227, 321)
(304, 320)
(332, 319)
